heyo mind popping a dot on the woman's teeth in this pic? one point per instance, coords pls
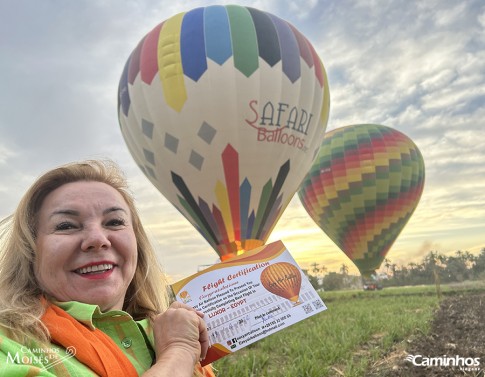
(97, 268)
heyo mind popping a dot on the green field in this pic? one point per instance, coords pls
(356, 330)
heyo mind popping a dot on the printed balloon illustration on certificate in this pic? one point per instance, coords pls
(282, 279)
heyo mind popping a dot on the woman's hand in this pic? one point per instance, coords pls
(181, 339)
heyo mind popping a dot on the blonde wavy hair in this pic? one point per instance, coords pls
(20, 304)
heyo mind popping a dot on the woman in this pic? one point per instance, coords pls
(81, 292)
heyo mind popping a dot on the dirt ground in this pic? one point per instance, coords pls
(457, 333)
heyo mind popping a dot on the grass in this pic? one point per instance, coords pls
(354, 332)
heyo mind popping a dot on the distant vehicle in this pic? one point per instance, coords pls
(371, 285)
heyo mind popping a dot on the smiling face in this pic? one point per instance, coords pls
(86, 246)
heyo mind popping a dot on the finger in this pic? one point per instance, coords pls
(203, 339)
(179, 305)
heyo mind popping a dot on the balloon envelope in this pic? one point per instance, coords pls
(282, 279)
(224, 108)
(362, 189)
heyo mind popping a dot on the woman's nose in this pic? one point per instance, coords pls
(96, 238)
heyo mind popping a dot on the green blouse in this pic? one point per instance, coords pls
(135, 339)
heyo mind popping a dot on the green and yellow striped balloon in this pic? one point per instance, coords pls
(362, 188)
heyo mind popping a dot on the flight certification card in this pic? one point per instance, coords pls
(249, 297)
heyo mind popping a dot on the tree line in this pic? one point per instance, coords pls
(434, 268)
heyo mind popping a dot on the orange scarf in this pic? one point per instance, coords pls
(93, 347)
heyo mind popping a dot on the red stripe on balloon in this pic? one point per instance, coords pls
(230, 161)
(220, 225)
(305, 52)
(149, 58)
(317, 64)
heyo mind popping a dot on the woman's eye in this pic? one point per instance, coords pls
(116, 222)
(65, 226)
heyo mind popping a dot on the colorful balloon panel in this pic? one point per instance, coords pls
(283, 279)
(362, 189)
(224, 108)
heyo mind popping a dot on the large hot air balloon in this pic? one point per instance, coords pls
(224, 109)
(362, 189)
(283, 279)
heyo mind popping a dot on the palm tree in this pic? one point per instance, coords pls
(412, 266)
(388, 265)
(315, 268)
(323, 269)
(344, 270)
(469, 259)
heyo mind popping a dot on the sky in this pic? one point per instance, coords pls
(417, 66)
